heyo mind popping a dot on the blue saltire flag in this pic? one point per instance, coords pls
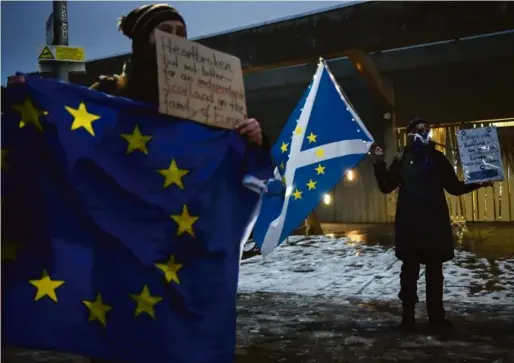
(121, 228)
(322, 140)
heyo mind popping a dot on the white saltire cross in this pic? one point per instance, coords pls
(299, 159)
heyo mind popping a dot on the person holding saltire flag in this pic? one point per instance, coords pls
(121, 227)
(322, 140)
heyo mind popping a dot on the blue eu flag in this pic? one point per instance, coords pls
(121, 227)
(322, 140)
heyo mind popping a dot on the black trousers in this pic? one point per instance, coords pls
(434, 287)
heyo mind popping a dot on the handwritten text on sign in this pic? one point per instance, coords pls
(480, 154)
(199, 83)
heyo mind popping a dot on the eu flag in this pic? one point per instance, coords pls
(121, 227)
(322, 140)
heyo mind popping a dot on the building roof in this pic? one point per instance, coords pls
(371, 26)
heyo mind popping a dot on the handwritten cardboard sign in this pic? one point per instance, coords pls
(480, 155)
(198, 83)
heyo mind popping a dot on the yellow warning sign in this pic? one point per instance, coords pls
(46, 54)
(70, 54)
(62, 53)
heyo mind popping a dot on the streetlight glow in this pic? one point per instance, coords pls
(327, 199)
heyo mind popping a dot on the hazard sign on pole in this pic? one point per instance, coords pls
(62, 53)
(46, 54)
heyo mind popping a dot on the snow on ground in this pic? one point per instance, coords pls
(342, 268)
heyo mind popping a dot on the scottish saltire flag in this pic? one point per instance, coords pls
(323, 139)
(121, 227)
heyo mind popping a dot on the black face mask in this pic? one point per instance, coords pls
(420, 138)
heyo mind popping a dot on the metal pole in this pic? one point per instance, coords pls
(60, 17)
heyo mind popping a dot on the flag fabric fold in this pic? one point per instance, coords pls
(121, 228)
(322, 140)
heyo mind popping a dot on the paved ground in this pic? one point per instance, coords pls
(295, 329)
(288, 328)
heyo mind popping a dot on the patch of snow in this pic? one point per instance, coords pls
(342, 268)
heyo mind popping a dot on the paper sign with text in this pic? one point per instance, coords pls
(198, 83)
(480, 154)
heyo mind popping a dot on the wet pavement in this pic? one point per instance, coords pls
(289, 328)
(490, 240)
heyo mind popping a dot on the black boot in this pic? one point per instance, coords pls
(408, 293)
(436, 312)
(408, 317)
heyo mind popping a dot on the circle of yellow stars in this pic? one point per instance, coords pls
(46, 287)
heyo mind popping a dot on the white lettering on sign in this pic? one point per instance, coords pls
(65, 31)
(199, 83)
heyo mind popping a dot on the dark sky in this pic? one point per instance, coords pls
(92, 24)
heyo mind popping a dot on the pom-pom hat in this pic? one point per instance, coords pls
(140, 22)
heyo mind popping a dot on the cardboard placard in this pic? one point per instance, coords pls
(480, 154)
(198, 83)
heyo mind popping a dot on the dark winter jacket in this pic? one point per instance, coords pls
(422, 225)
(136, 83)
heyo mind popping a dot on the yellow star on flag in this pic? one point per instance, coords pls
(283, 147)
(4, 160)
(185, 222)
(82, 118)
(170, 269)
(282, 166)
(173, 175)
(297, 194)
(312, 137)
(320, 169)
(320, 153)
(137, 141)
(311, 184)
(145, 302)
(298, 130)
(97, 309)
(46, 287)
(9, 251)
(29, 114)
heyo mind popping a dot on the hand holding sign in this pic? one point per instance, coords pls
(198, 83)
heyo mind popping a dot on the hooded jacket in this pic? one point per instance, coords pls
(422, 225)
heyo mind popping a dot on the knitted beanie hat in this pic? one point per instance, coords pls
(140, 22)
(411, 127)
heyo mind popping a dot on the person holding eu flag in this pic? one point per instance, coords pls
(138, 80)
(121, 230)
